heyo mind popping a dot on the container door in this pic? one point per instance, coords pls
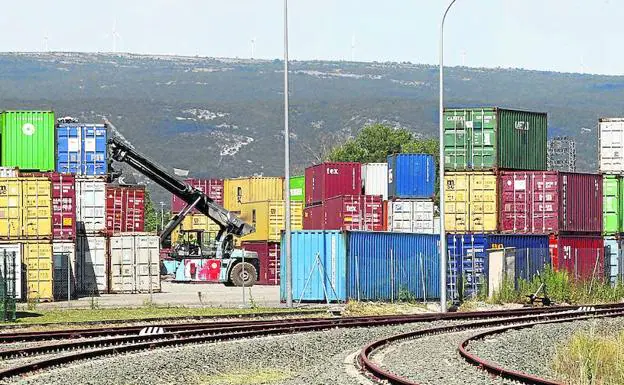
(483, 139)
(38, 261)
(146, 264)
(457, 139)
(610, 205)
(457, 202)
(483, 202)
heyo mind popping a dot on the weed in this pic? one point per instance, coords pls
(252, 301)
(32, 304)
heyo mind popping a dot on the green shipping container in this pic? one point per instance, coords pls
(612, 205)
(493, 138)
(27, 140)
(297, 188)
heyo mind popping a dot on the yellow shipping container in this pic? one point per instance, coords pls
(471, 202)
(253, 189)
(25, 208)
(37, 258)
(196, 222)
(268, 217)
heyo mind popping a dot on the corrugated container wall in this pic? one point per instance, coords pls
(269, 261)
(92, 265)
(81, 149)
(297, 188)
(320, 255)
(64, 265)
(134, 262)
(125, 209)
(327, 180)
(254, 189)
(37, 258)
(550, 202)
(614, 268)
(211, 187)
(27, 140)
(196, 222)
(314, 217)
(91, 205)
(63, 206)
(390, 266)
(611, 145)
(581, 256)
(268, 217)
(612, 205)
(375, 179)
(37, 208)
(354, 212)
(494, 138)
(411, 216)
(411, 176)
(471, 202)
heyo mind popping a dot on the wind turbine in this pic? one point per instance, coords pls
(463, 57)
(115, 35)
(45, 42)
(253, 46)
(353, 47)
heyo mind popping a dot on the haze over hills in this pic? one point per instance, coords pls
(224, 117)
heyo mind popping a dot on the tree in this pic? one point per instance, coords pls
(152, 219)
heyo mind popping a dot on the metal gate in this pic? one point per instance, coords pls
(9, 269)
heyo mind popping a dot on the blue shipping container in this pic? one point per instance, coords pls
(613, 259)
(319, 266)
(81, 149)
(411, 176)
(468, 260)
(393, 266)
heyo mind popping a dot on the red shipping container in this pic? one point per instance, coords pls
(212, 187)
(354, 212)
(63, 206)
(327, 180)
(314, 217)
(125, 209)
(581, 256)
(550, 202)
(269, 258)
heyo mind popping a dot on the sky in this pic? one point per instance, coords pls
(553, 35)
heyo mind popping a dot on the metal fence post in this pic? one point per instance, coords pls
(5, 312)
(68, 280)
(149, 267)
(243, 273)
(391, 275)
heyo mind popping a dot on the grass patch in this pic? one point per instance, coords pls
(109, 314)
(589, 358)
(245, 377)
(355, 308)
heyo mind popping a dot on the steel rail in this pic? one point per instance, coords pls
(376, 372)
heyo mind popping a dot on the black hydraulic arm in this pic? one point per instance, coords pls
(121, 151)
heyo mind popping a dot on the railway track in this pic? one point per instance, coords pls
(376, 372)
(54, 348)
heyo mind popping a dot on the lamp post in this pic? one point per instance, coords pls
(441, 165)
(287, 251)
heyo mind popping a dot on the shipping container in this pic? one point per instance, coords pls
(12, 254)
(125, 209)
(37, 259)
(612, 205)
(134, 266)
(9, 172)
(91, 265)
(550, 202)
(614, 268)
(91, 205)
(64, 265)
(252, 189)
(211, 187)
(11, 208)
(375, 179)
(411, 176)
(471, 202)
(63, 206)
(327, 180)
(494, 138)
(269, 261)
(314, 217)
(297, 188)
(611, 137)
(27, 140)
(392, 267)
(319, 267)
(81, 149)
(354, 212)
(196, 222)
(268, 217)
(411, 216)
(582, 256)
(37, 208)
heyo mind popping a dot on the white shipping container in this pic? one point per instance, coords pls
(91, 266)
(375, 179)
(64, 272)
(611, 145)
(135, 259)
(411, 216)
(8, 172)
(90, 205)
(14, 266)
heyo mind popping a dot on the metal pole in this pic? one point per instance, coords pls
(68, 280)
(149, 267)
(162, 216)
(287, 252)
(441, 165)
(243, 273)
